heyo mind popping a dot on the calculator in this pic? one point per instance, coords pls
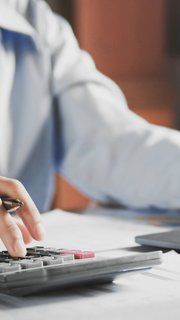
(46, 269)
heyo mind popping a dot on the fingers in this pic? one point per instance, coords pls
(12, 234)
(25, 233)
(28, 213)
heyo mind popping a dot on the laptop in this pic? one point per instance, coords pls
(168, 240)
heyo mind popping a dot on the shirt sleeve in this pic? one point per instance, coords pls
(109, 152)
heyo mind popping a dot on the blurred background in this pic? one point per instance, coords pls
(137, 44)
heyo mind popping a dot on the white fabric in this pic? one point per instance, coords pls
(57, 112)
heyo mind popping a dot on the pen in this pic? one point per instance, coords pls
(11, 204)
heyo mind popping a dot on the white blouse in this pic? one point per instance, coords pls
(58, 113)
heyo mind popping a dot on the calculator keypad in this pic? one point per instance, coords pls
(39, 257)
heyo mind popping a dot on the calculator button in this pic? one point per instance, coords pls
(67, 257)
(52, 251)
(37, 248)
(49, 261)
(78, 254)
(87, 255)
(5, 259)
(29, 264)
(54, 262)
(6, 267)
(36, 253)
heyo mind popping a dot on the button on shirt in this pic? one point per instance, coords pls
(58, 113)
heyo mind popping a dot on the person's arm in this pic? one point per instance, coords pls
(113, 155)
(110, 153)
(14, 233)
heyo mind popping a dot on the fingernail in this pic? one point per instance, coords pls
(19, 248)
(40, 231)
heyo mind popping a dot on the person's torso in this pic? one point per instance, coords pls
(26, 117)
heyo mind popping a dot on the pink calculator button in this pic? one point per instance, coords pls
(78, 254)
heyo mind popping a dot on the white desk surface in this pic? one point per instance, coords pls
(152, 294)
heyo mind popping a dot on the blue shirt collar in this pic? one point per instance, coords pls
(12, 20)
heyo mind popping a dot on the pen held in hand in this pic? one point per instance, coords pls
(11, 204)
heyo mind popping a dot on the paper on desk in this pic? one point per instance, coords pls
(150, 295)
(90, 231)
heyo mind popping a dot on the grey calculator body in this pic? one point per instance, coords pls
(73, 273)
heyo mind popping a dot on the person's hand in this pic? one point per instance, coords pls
(15, 233)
